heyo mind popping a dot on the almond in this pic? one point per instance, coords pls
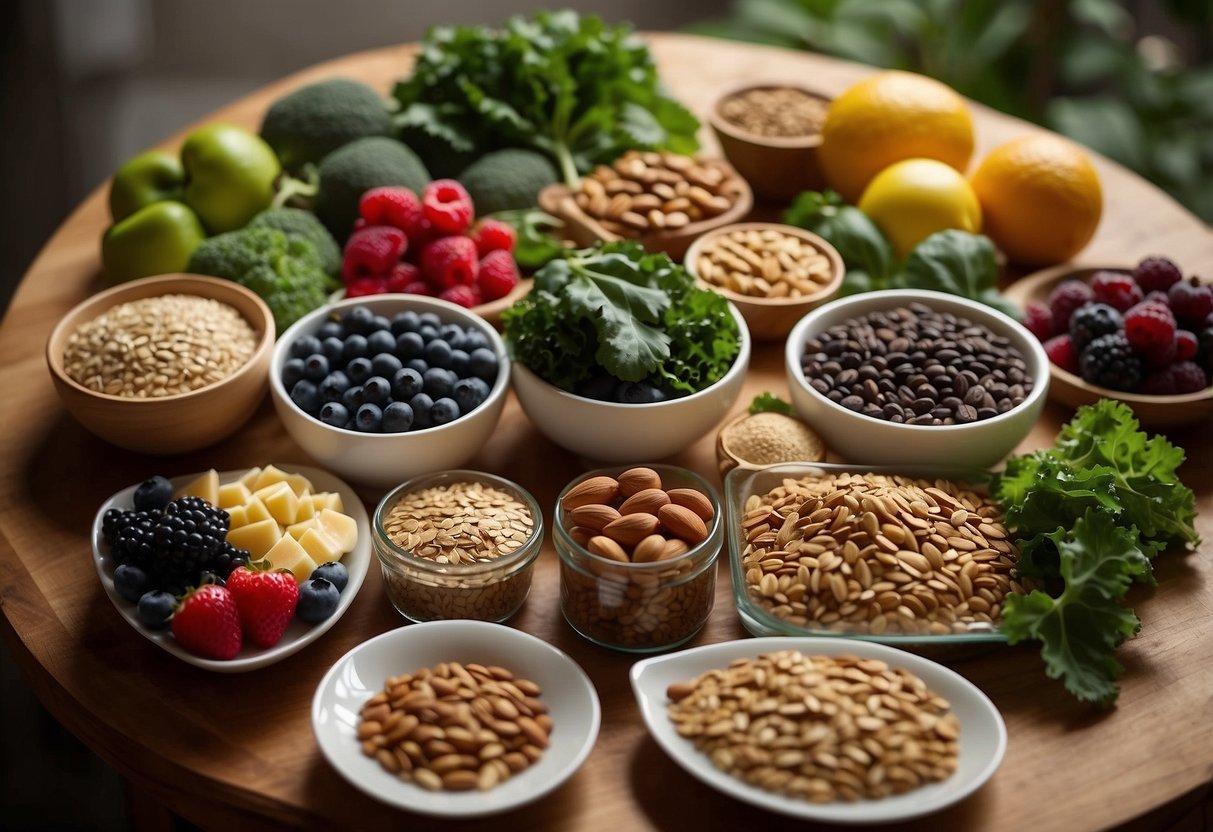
(696, 501)
(593, 516)
(683, 523)
(649, 549)
(630, 529)
(581, 535)
(646, 501)
(635, 480)
(599, 490)
(607, 548)
(673, 548)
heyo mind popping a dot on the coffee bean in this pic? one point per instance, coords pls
(966, 413)
(852, 403)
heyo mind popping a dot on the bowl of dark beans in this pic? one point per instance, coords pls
(915, 377)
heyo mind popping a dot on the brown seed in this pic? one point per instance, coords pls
(683, 523)
(646, 501)
(599, 490)
(649, 549)
(693, 499)
(605, 547)
(639, 479)
(630, 529)
(593, 516)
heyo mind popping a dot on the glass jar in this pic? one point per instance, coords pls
(639, 607)
(428, 576)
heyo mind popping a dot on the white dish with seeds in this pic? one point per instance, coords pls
(981, 744)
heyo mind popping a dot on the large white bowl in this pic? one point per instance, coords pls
(865, 439)
(614, 432)
(382, 460)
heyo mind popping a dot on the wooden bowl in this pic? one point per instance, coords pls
(778, 168)
(585, 231)
(1072, 391)
(771, 319)
(727, 457)
(168, 424)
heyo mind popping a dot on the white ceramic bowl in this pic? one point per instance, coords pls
(865, 439)
(382, 460)
(613, 432)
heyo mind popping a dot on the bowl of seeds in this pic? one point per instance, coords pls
(915, 378)
(165, 364)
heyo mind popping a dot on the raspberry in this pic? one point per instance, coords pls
(1162, 355)
(1189, 377)
(419, 287)
(462, 294)
(392, 205)
(1205, 354)
(1156, 274)
(363, 286)
(1157, 296)
(1149, 326)
(1191, 302)
(372, 252)
(1116, 289)
(498, 275)
(1038, 318)
(1063, 300)
(1091, 321)
(493, 235)
(449, 261)
(1110, 362)
(1186, 345)
(1061, 352)
(1159, 383)
(402, 276)
(447, 206)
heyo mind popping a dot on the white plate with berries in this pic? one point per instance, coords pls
(1139, 334)
(180, 539)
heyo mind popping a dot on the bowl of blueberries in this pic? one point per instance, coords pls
(385, 388)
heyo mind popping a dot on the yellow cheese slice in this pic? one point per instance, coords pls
(288, 554)
(342, 528)
(306, 509)
(237, 516)
(327, 499)
(296, 530)
(250, 476)
(270, 475)
(233, 494)
(319, 546)
(258, 537)
(300, 484)
(206, 487)
(281, 501)
(256, 510)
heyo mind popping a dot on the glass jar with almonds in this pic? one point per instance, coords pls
(638, 551)
(457, 544)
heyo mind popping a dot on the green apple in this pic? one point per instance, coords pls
(229, 176)
(156, 239)
(149, 177)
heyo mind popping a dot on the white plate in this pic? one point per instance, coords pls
(298, 634)
(983, 736)
(361, 673)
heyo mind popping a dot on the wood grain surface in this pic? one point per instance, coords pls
(224, 750)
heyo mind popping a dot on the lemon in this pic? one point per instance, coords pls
(1041, 199)
(911, 200)
(889, 117)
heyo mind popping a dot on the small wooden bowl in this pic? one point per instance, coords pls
(771, 319)
(168, 424)
(584, 230)
(1072, 391)
(727, 459)
(778, 168)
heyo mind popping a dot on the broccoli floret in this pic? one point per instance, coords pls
(313, 121)
(507, 180)
(350, 171)
(296, 222)
(285, 270)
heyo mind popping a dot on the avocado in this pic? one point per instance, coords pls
(353, 169)
(507, 180)
(311, 122)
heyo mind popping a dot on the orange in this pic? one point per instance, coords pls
(888, 117)
(911, 200)
(1041, 199)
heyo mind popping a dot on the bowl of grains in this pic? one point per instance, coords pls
(165, 364)
(661, 199)
(912, 377)
(774, 274)
(771, 134)
(457, 544)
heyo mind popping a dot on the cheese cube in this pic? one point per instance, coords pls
(256, 510)
(306, 509)
(300, 484)
(327, 499)
(319, 546)
(288, 554)
(296, 530)
(270, 475)
(250, 476)
(281, 502)
(258, 537)
(237, 516)
(206, 487)
(342, 528)
(233, 494)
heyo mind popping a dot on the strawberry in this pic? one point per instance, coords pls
(207, 623)
(266, 600)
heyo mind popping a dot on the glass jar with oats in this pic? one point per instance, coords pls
(457, 544)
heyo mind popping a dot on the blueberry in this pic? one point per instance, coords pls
(444, 410)
(355, 347)
(385, 364)
(318, 600)
(292, 371)
(352, 398)
(469, 393)
(376, 390)
(600, 387)
(333, 386)
(409, 345)
(438, 353)
(333, 349)
(406, 383)
(452, 334)
(156, 608)
(335, 414)
(358, 319)
(460, 363)
(331, 329)
(438, 382)
(638, 392)
(334, 572)
(152, 495)
(315, 366)
(421, 404)
(406, 321)
(473, 338)
(306, 397)
(369, 418)
(130, 581)
(380, 322)
(304, 346)
(381, 340)
(483, 364)
(397, 417)
(420, 365)
(430, 319)
(428, 332)
(359, 370)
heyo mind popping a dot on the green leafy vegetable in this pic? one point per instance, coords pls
(958, 263)
(635, 316)
(768, 402)
(534, 246)
(572, 87)
(865, 251)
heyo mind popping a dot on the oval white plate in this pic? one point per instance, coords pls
(361, 673)
(298, 634)
(983, 736)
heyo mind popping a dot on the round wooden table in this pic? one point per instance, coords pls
(220, 748)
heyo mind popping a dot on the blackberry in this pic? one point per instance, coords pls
(130, 535)
(187, 536)
(227, 558)
(1109, 361)
(1092, 321)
